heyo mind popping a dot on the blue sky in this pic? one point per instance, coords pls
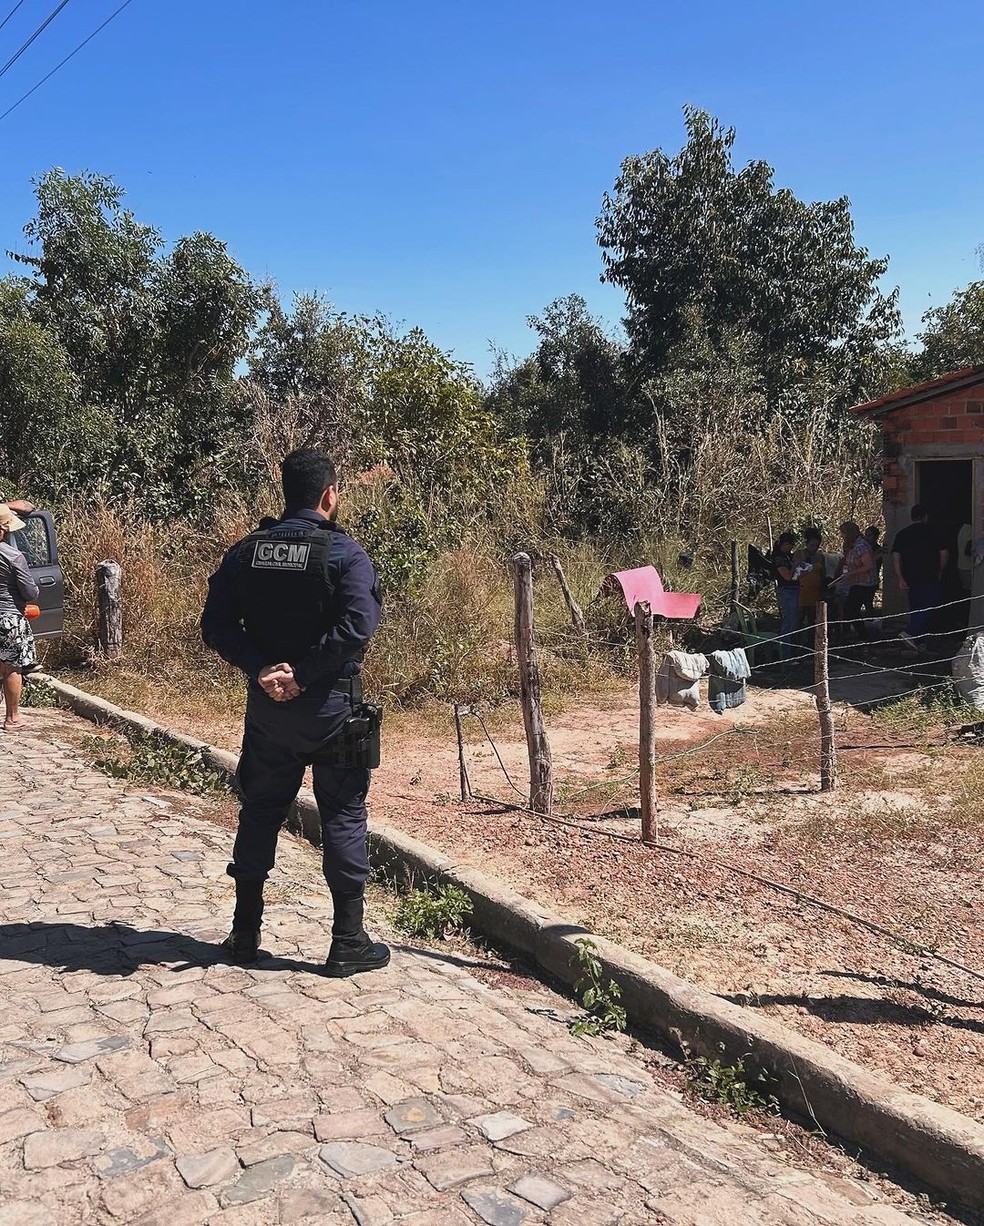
(444, 162)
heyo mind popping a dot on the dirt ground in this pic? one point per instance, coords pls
(898, 843)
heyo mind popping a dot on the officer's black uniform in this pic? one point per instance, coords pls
(303, 592)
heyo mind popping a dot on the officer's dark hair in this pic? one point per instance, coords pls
(305, 475)
(919, 511)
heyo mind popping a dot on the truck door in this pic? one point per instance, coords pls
(39, 546)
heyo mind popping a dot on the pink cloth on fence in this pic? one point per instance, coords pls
(644, 583)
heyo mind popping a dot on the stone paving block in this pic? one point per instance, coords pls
(541, 1191)
(174, 1043)
(19, 1122)
(543, 1062)
(414, 1114)
(292, 1112)
(621, 1085)
(193, 1067)
(457, 1166)
(78, 1053)
(192, 1129)
(348, 1125)
(57, 1145)
(208, 1169)
(438, 1138)
(350, 1158)
(47, 1084)
(135, 1075)
(26, 1213)
(186, 1209)
(309, 1204)
(125, 1010)
(150, 1192)
(272, 1144)
(124, 1160)
(157, 1113)
(495, 1207)
(500, 1125)
(389, 1089)
(258, 1180)
(170, 1019)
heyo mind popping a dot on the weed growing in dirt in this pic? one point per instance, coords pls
(922, 714)
(148, 757)
(433, 913)
(38, 694)
(734, 1086)
(602, 1012)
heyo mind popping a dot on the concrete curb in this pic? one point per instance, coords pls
(934, 1144)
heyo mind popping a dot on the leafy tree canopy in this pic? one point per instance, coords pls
(135, 345)
(953, 335)
(575, 381)
(711, 256)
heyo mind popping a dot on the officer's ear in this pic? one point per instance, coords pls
(329, 501)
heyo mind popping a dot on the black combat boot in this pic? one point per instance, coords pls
(352, 949)
(243, 943)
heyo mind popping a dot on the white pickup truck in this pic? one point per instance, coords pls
(37, 542)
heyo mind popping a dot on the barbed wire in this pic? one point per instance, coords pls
(913, 948)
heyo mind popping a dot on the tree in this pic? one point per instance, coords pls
(574, 382)
(953, 335)
(710, 256)
(143, 342)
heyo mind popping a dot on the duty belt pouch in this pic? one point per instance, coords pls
(358, 742)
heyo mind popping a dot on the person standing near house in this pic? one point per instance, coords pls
(813, 579)
(787, 592)
(856, 582)
(919, 560)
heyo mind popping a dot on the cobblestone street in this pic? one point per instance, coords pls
(144, 1081)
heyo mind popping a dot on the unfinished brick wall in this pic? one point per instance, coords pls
(955, 419)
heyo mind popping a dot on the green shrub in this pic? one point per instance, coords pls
(150, 757)
(602, 1011)
(433, 913)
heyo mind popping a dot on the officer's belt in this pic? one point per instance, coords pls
(349, 685)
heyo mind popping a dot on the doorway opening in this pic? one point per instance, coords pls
(946, 489)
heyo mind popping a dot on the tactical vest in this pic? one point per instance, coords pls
(285, 589)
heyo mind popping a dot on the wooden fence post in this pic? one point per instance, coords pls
(109, 632)
(463, 779)
(577, 615)
(733, 595)
(647, 725)
(821, 675)
(530, 694)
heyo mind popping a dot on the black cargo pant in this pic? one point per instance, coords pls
(280, 740)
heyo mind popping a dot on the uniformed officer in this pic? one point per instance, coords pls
(294, 605)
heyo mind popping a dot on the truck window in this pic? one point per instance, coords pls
(33, 542)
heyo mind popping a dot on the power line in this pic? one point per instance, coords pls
(11, 13)
(41, 28)
(63, 62)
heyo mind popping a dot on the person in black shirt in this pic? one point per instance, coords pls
(919, 559)
(787, 574)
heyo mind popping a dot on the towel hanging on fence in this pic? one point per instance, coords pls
(678, 680)
(729, 672)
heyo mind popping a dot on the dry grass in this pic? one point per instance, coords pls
(450, 638)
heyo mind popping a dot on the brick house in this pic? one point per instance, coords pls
(933, 453)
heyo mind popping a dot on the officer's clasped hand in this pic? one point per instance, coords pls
(277, 681)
